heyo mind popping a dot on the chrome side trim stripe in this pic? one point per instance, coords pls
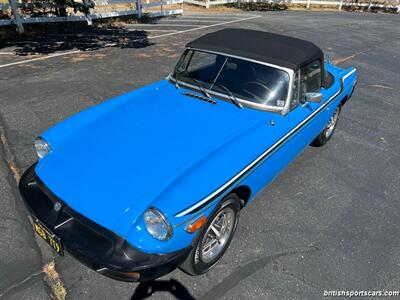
(348, 74)
(260, 158)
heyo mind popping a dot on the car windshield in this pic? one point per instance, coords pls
(246, 80)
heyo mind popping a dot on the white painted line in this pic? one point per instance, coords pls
(55, 42)
(203, 27)
(7, 53)
(240, 15)
(37, 42)
(39, 58)
(208, 17)
(150, 30)
(150, 37)
(158, 24)
(191, 20)
(95, 35)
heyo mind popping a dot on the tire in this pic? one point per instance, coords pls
(328, 131)
(225, 216)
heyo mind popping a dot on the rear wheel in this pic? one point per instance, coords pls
(327, 133)
(214, 238)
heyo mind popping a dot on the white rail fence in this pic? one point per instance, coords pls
(102, 9)
(340, 4)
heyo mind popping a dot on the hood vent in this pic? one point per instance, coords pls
(205, 99)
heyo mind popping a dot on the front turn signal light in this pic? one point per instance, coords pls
(196, 225)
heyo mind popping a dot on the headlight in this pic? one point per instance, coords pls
(157, 225)
(42, 147)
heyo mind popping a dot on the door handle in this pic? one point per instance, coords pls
(305, 104)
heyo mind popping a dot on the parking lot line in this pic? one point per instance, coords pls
(46, 42)
(158, 24)
(204, 27)
(39, 58)
(190, 20)
(92, 34)
(135, 40)
(162, 30)
(206, 13)
(208, 17)
(239, 15)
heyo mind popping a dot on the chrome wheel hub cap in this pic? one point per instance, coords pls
(217, 235)
(332, 124)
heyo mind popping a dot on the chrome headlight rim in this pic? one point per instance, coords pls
(165, 221)
(42, 147)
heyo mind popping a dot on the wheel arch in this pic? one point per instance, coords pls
(244, 193)
(344, 100)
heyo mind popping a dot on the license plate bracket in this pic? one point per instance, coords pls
(46, 234)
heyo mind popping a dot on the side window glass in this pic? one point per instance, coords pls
(310, 78)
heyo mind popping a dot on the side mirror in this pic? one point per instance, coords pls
(313, 97)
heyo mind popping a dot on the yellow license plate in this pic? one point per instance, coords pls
(51, 239)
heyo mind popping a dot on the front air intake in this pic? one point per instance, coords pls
(205, 99)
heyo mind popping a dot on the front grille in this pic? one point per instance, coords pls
(41, 206)
(75, 230)
(87, 241)
(87, 238)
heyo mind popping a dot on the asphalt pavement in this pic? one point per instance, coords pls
(330, 221)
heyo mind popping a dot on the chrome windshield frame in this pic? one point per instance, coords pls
(282, 110)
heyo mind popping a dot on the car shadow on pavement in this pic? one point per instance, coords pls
(53, 39)
(147, 289)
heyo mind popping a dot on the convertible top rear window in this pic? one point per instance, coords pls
(245, 80)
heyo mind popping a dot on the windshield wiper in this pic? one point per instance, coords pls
(201, 87)
(196, 81)
(233, 99)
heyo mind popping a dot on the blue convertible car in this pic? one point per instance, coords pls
(155, 179)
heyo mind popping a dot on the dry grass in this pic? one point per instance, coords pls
(54, 281)
(9, 156)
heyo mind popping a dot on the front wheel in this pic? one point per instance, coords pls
(214, 238)
(328, 131)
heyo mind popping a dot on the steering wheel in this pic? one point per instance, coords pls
(263, 85)
(258, 84)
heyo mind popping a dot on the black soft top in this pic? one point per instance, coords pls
(262, 46)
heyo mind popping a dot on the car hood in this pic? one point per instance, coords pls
(105, 160)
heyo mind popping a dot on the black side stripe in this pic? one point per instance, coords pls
(260, 159)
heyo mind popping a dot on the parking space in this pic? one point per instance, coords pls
(330, 221)
(52, 45)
